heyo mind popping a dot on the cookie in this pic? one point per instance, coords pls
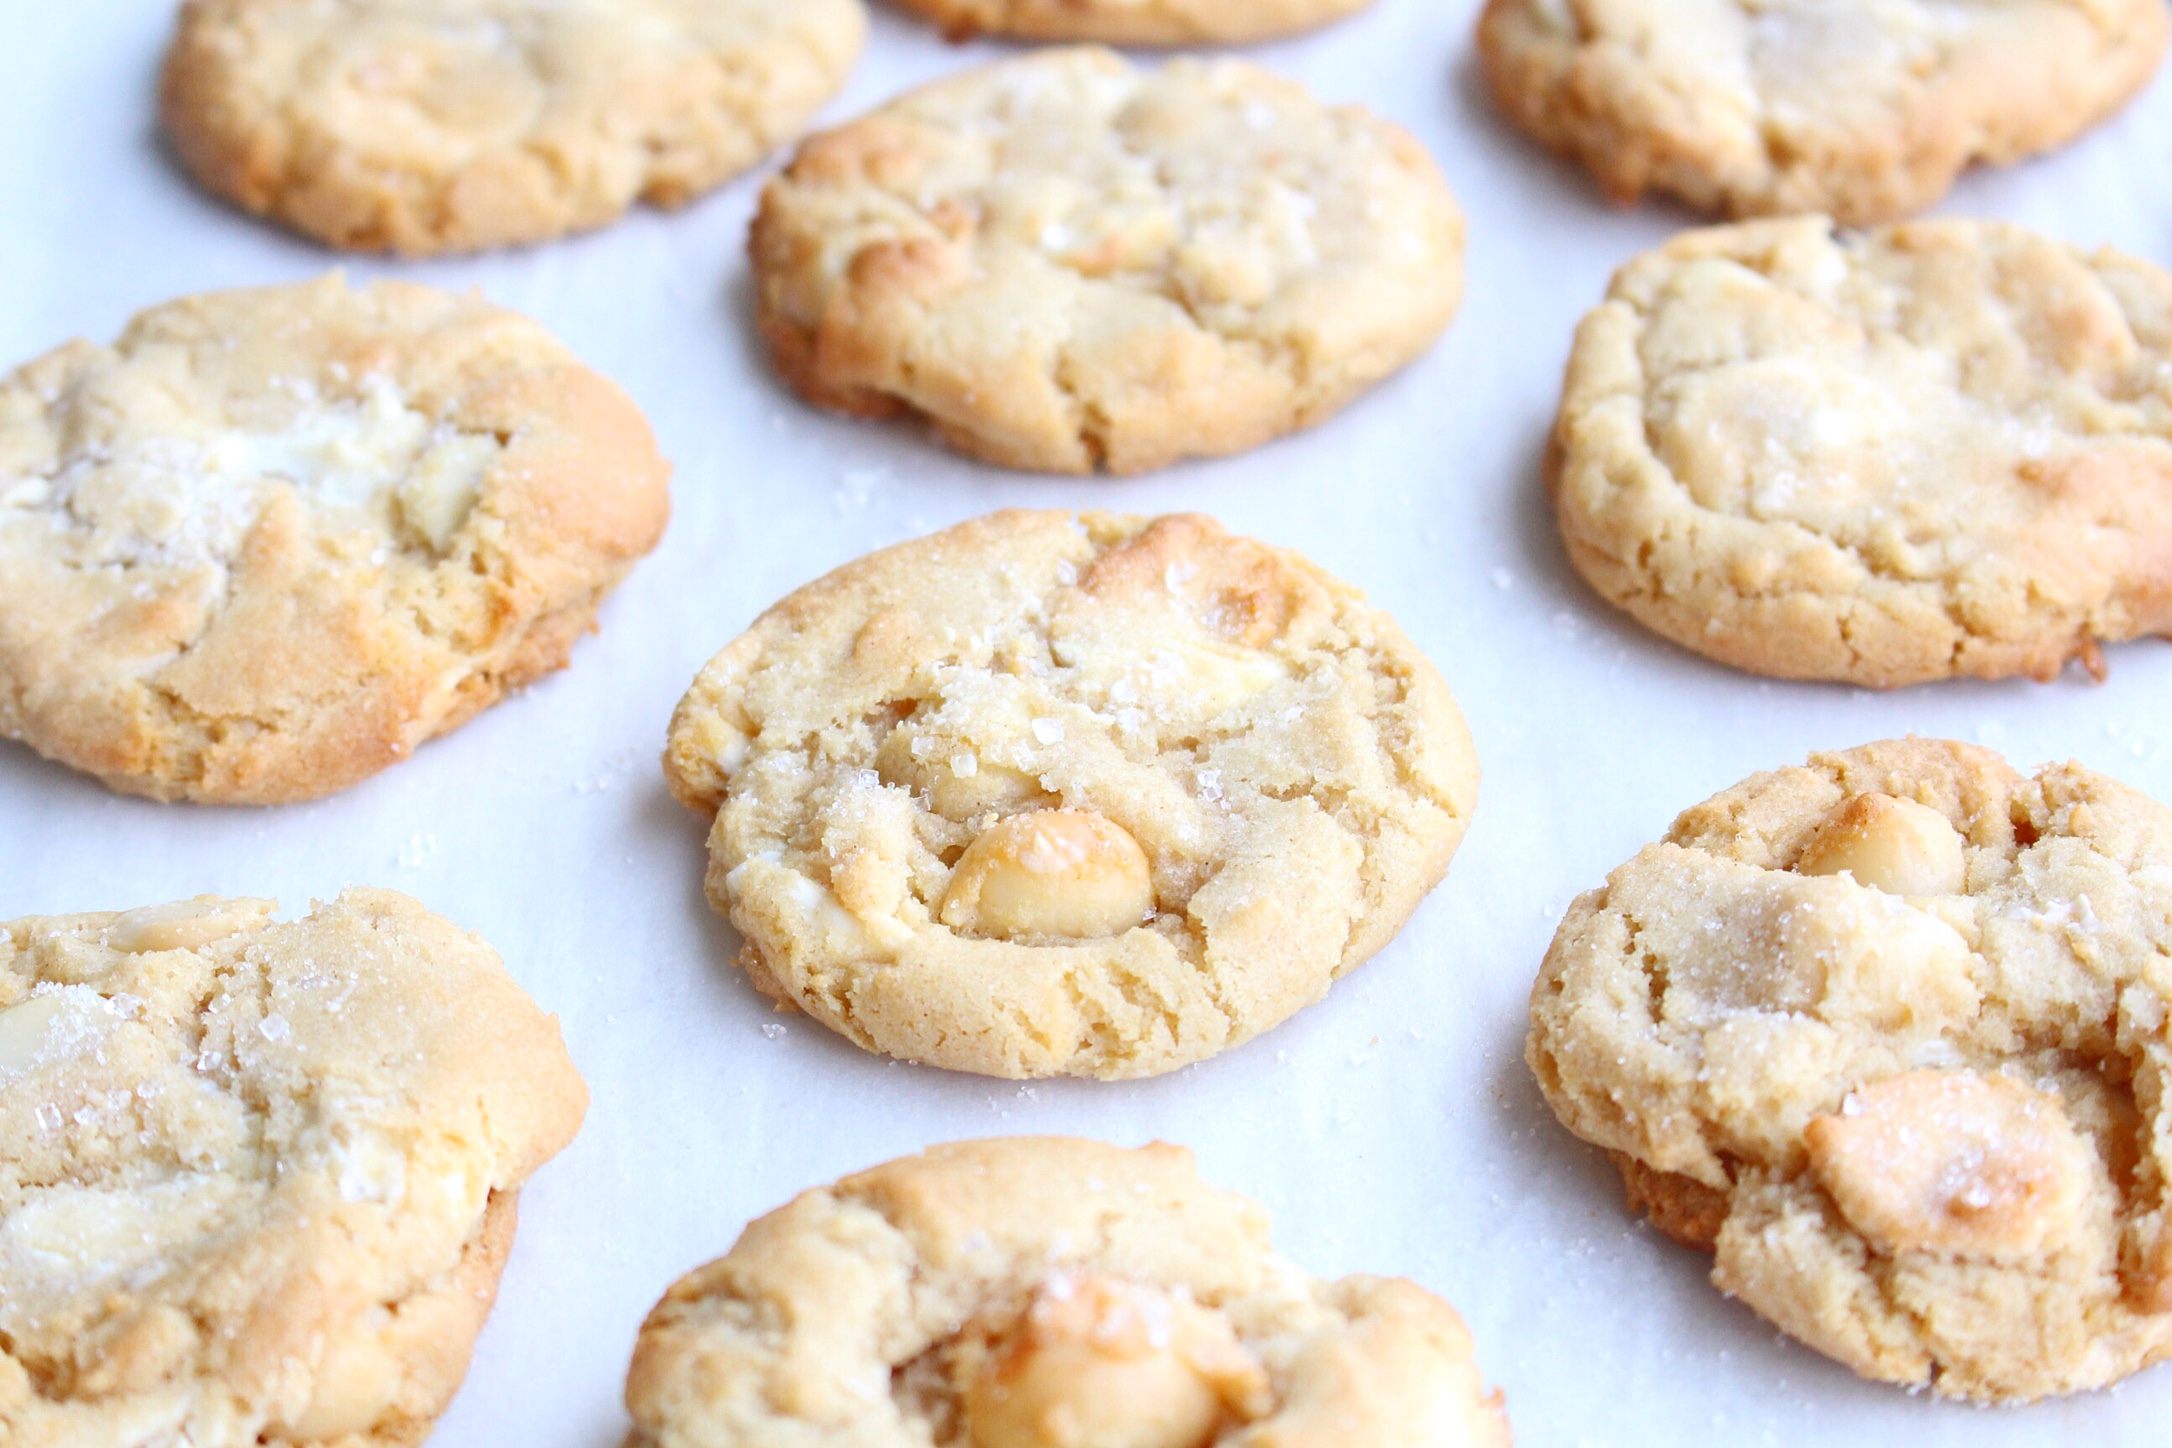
(1864, 109)
(257, 1180)
(1069, 794)
(1042, 1292)
(1132, 22)
(1940, 449)
(1888, 1034)
(270, 540)
(428, 126)
(1064, 263)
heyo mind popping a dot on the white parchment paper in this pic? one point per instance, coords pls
(1392, 1128)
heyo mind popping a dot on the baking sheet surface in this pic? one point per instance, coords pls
(1392, 1128)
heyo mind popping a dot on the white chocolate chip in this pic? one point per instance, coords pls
(436, 497)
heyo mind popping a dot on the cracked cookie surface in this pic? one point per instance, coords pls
(429, 126)
(1069, 794)
(1037, 1292)
(1065, 263)
(1864, 109)
(1132, 22)
(1891, 1036)
(257, 1180)
(272, 539)
(1940, 449)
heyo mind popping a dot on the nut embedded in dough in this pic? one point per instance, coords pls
(24, 1027)
(1951, 1161)
(1894, 845)
(183, 924)
(1061, 872)
(1100, 1363)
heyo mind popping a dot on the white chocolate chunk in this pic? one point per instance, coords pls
(185, 924)
(1894, 845)
(357, 1378)
(437, 496)
(1952, 1162)
(1062, 872)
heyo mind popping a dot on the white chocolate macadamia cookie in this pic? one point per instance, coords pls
(427, 126)
(1066, 263)
(1866, 109)
(272, 539)
(1069, 794)
(1040, 1292)
(1132, 22)
(1891, 1036)
(257, 1180)
(1936, 450)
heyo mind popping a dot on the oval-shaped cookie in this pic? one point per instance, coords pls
(1042, 1292)
(1888, 1034)
(257, 1180)
(1864, 109)
(428, 126)
(1132, 22)
(272, 539)
(1065, 263)
(1058, 794)
(1888, 457)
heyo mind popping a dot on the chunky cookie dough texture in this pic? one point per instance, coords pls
(257, 1180)
(1069, 794)
(1132, 22)
(1864, 109)
(1040, 1292)
(270, 540)
(1939, 449)
(1065, 263)
(425, 126)
(1888, 1034)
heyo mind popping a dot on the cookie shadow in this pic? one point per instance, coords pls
(726, 991)
(1705, 1320)
(1545, 559)
(1525, 158)
(686, 835)
(738, 301)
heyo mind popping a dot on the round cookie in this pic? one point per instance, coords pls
(1889, 1036)
(1065, 263)
(1864, 109)
(1069, 794)
(1935, 450)
(428, 126)
(257, 1180)
(1132, 22)
(1042, 1292)
(271, 540)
